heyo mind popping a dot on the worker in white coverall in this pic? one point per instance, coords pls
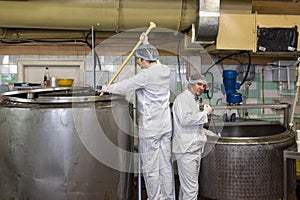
(152, 86)
(189, 136)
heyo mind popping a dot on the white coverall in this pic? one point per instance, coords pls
(188, 142)
(155, 126)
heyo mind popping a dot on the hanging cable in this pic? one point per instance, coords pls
(209, 96)
(238, 53)
(248, 68)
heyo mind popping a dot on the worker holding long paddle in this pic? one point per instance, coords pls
(152, 86)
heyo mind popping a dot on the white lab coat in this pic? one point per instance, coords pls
(188, 135)
(188, 142)
(152, 86)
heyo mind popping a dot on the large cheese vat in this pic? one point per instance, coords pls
(247, 162)
(64, 147)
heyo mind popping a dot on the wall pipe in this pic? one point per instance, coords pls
(93, 57)
(296, 94)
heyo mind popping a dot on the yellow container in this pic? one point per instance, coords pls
(65, 82)
(297, 168)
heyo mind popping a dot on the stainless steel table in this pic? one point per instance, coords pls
(289, 153)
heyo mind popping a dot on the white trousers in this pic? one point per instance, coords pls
(156, 155)
(188, 170)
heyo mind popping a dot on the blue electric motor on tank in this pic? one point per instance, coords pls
(231, 87)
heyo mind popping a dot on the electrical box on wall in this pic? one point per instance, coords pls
(277, 39)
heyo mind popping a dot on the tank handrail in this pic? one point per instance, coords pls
(248, 106)
(283, 106)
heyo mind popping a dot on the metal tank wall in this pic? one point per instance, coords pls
(247, 163)
(43, 156)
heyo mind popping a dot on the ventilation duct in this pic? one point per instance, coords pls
(207, 21)
(104, 16)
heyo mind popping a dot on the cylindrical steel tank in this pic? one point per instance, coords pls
(64, 147)
(247, 163)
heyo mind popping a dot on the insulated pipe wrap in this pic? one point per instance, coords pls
(207, 21)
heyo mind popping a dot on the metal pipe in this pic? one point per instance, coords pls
(274, 106)
(247, 85)
(283, 107)
(139, 173)
(93, 57)
(263, 87)
(296, 94)
(288, 77)
(139, 155)
(286, 114)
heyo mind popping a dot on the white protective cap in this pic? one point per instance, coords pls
(146, 52)
(197, 78)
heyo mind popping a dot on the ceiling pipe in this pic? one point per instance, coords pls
(21, 33)
(115, 16)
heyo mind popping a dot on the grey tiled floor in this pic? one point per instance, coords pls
(291, 196)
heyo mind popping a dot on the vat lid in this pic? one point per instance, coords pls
(57, 95)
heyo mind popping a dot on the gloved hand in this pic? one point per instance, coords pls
(104, 88)
(207, 109)
(144, 38)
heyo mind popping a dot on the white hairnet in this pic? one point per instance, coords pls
(197, 78)
(146, 52)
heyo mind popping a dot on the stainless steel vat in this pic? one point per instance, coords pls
(247, 163)
(64, 147)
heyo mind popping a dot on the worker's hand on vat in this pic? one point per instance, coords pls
(207, 109)
(144, 38)
(104, 88)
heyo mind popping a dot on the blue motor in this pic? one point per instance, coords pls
(231, 87)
